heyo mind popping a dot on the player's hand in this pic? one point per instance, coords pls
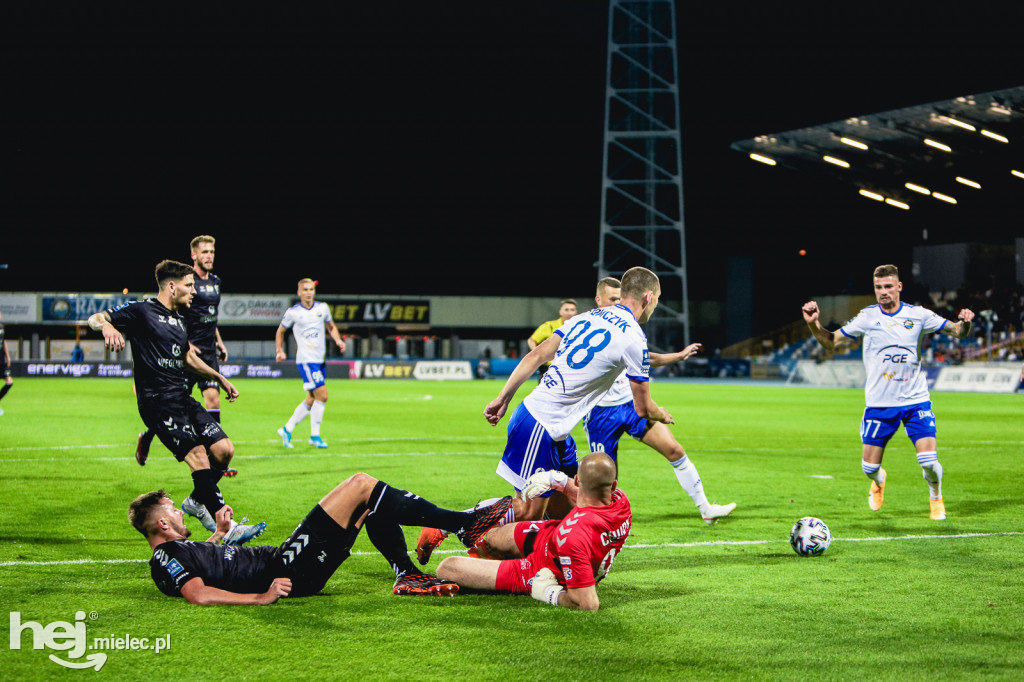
(280, 357)
(281, 587)
(666, 418)
(223, 352)
(966, 315)
(341, 345)
(230, 389)
(543, 481)
(223, 519)
(544, 587)
(692, 349)
(194, 348)
(112, 339)
(494, 411)
(810, 311)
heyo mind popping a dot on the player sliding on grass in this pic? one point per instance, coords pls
(210, 573)
(896, 389)
(557, 562)
(161, 356)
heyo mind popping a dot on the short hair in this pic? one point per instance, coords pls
(307, 279)
(200, 239)
(568, 300)
(609, 282)
(168, 270)
(140, 508)
(638, 281)
(887, 271)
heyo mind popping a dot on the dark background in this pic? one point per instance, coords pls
(452, 147)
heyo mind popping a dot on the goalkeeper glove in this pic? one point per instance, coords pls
(543, 481)
(545, 587)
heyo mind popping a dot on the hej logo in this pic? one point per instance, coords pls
(59, 636)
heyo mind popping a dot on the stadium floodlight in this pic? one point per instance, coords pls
(937, 145)
(944, 197)
(969, 183)
(917, 188)
(836, 162)
(853, 143)
(870, 195)
(959, 124)
(763, 159)
(898, 204)
(1018, 173)
(995, 136)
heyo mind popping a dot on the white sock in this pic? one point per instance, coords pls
(932, 471)
(872, 471)
(300, 413)
(689, 479)
(316, 415)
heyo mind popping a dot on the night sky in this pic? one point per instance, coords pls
(446, 147)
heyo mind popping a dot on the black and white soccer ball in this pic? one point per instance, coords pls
(810, 536)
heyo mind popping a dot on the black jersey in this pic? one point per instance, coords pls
(3, 356)
(201, 318)
(235, 568)
(159, 346)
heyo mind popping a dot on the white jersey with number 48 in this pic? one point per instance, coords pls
(596, 347)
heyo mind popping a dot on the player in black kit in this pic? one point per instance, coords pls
(208, 573)
(161, 356)
(5, 365)
(203, 335)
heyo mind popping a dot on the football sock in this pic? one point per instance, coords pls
(316, 415)
(147, 437)
(300, 413)
(387, 537)
(205, 491)
(3, 391)
(932, 471)
(407, 509)
(872, 471)
(689, 479)
(218, 470)
(215, 414)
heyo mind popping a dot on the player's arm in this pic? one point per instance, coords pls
(645, 405)
(962, 327)
(195, 365)
(220, 346)
(830, 341)
(581, 598)
(546, 588)
(545, 352)
(7, 354)
(100, 322)
(662, 359)
(195, 591)
(332, 329)
(279, 342)
(223, 519)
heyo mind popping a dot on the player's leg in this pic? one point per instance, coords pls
(877, 427)
(659, 437)
(479, 574)
(919, 422)
(211, 398)
(8, 381)
(316, 415)
(529, 449)
(142, 446)
(302, 409)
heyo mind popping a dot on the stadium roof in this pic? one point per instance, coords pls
(959, 151)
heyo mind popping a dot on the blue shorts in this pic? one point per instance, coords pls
(605, 425)
(313, 375)
(530, 449)
(880, 423)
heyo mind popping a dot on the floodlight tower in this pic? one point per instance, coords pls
(642, 194)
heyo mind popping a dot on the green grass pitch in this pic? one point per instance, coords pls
(897, 596)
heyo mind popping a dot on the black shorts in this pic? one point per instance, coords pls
(210, 356)
(181, 425)
(314, 551)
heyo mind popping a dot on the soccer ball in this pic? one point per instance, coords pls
(810, 536)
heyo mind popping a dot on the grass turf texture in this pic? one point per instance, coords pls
(683, 600)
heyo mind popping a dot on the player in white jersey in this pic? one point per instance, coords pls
(587, 354)
(896, 390)
(614, 416)
(308, 320)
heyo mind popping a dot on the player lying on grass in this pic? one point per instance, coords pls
(558, 562)
(212, 573)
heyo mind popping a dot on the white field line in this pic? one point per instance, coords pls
(660, 545)
(284, 455)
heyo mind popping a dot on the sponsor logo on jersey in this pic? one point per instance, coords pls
(908, 324)
(174, 568)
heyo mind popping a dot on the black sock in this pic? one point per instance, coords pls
(404, 508)
(215, 414)
(147, 437)
(388, 538)
(3, 391)
(218, 470)
(206, 492)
